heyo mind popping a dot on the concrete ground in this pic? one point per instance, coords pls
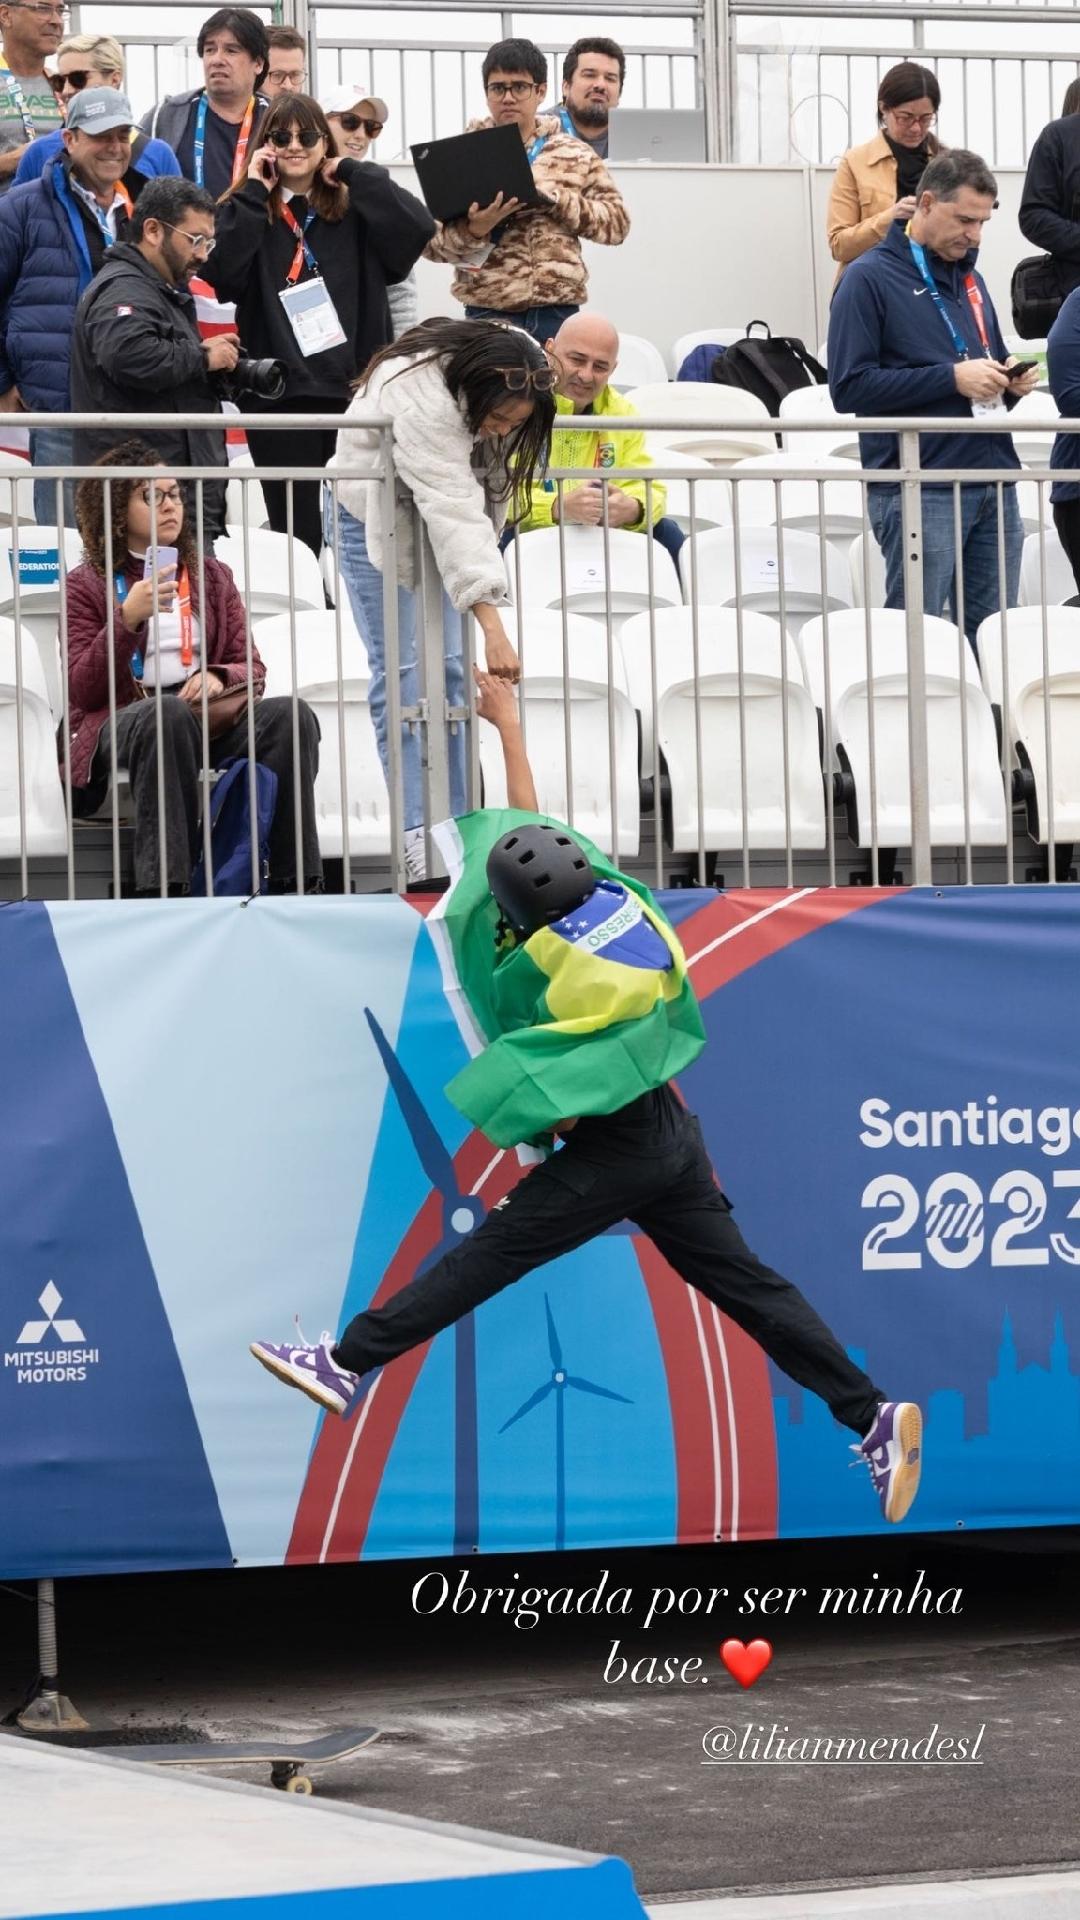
(516, 1731)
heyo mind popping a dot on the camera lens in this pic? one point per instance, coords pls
(264, 378)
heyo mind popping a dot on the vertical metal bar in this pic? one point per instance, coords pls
(343, 771)
(695, 649)
(253, 788)
(962, 643)
(298, 820)
(20, 740)
(392, 662)
(875, 868)
(744, 778)
(650, 581)
(204, 729)
(608, 616)
(1051, 837)
(159, 697)
(431, 643)
(785, 743)
(564, 619)
(911, 511)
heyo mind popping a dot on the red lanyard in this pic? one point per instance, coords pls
(183, 605)
(242, 141)
(975, 300)
(303, 251)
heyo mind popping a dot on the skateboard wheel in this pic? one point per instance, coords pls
(299, 1784)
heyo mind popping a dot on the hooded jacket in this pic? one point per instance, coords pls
(136, 349)
(536, 257)
(45, 266)
(600, 450)
(890, 352)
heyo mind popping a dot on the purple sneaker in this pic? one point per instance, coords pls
(311, 1369)
(893, 1452)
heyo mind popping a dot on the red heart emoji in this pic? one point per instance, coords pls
(746, 1663)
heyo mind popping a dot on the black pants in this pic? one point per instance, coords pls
(1067, 522)
(297, 450)
(181, 725)
(646, 1164)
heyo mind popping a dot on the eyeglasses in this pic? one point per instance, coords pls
(43, 13)
(283, 137)
(904, 119)
(77, 79)
(163, 496)
(288, 79)
(511, 89)
(351, 121)
(521, 379)
(202, 243)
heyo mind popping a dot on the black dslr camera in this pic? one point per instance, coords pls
(264, 379)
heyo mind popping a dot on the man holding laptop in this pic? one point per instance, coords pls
(518, 258)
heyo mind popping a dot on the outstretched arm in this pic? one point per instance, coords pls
(496, 702)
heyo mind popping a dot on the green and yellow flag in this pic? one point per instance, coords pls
(578, 1019)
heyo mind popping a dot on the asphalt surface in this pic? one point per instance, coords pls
(516, 1730)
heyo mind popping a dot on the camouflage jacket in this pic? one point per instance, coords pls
(536, 260)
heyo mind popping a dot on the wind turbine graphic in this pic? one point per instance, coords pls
(557, 1385)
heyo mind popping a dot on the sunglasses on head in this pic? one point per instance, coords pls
(283, 137)
(351, 121)
(78, 78)
(520, 379)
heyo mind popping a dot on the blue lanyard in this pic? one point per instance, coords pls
(136, 658)
(239, 157)
(537, 146)
(963, 352)
(200, 142)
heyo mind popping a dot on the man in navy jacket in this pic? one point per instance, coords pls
(913, 331)
(54, 234)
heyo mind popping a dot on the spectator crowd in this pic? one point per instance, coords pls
(250, 191)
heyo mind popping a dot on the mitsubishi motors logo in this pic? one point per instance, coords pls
(65, 1362)
(34, 1331)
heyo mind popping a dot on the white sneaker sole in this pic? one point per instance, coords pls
(293, 1377)
(905, 1479)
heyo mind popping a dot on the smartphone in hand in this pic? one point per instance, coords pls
(1018, 371)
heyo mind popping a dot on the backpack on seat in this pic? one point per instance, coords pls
(230, 828)
(769, 367)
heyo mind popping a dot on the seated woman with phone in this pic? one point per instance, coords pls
(141, 604)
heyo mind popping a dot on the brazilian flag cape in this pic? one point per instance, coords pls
(579, 1018)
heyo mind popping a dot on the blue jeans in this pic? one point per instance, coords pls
(364, 584)
(52, 447)
(542, 322)
(979, 549)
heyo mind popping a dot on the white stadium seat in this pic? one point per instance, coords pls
(867, 563)
(1060, 582)
(16, 488)
(39, 593)
(952, 682)
(668, 634)
(539, 557)
(366, 802)
(270, 590)
(850, 649)
(833, 507)
(639, 363)
(1032, 675)
(704, 337)
(707, 503)
(815, 403)
(734, 714)
(775, 572)
(1033, 449)
(45, 824)
(700, 411)
(578, 790)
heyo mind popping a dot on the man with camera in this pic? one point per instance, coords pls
(136, 346)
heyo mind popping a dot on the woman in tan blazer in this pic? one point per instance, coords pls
(875, 184)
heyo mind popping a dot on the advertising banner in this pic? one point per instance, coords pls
(215, 1117)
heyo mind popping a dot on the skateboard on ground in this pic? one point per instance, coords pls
(289, 1760)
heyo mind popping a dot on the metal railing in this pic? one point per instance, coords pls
(746, 716)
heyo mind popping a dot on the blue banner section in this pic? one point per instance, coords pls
(203, 1136)
(601, 1892)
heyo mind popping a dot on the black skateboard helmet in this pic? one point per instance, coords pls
(536, 874)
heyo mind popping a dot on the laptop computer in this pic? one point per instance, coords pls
(661, 133)
(473, 168)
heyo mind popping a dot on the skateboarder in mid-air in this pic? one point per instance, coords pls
(578, 985)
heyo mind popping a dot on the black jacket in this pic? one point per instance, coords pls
(136, 349)
(376, 243)
(1050, 204)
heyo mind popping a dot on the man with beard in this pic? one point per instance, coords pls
(136, 346)
(592, 83)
